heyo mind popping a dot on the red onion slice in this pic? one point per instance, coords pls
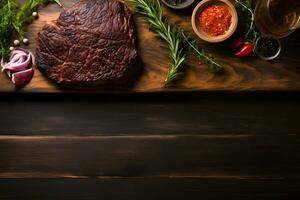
(17, 57)
(21, 59)
(18, 66)
(32, 58)
(16, 54)
(19, 50)
(22, 78)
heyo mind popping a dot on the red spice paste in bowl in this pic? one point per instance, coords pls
(215, 20)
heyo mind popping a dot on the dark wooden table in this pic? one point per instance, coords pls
(248, 74)
(159, 146)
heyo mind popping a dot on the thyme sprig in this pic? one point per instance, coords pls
(152, 11)
(174, 36)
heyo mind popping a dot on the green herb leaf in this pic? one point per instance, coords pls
(152, 11)
(7, 9)
(24, 16)
(213, 66)
(251, 34)
(13, 18)
(172, 35)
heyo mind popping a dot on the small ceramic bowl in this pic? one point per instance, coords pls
(204, 36)
(182, 5)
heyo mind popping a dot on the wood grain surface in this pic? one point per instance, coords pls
(250, 74)
(162, 146)
(148, 189)
(151, 147)
(150, 156)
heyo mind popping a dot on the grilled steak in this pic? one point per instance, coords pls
(92, 43)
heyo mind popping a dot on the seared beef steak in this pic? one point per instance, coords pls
(92, 43)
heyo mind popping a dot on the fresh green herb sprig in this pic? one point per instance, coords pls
(152, 11)
(23, 15)
(213, 65)
(251, 34)
(14, 17)
(173, 35)
(7, 8)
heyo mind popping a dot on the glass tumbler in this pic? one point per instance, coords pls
(277, 18)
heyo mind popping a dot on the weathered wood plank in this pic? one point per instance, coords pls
(148, 189)
(149, 114)
(237, 156)
(250, 74)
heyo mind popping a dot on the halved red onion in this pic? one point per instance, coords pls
(18, 53)
(32, 58)
(18, 66)
(22, 78)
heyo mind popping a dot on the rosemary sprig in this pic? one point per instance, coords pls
(152, 11)
(173, 35)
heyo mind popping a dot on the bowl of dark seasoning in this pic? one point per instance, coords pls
(267, 47)
(178, 4)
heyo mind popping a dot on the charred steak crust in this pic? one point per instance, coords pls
(92, 43)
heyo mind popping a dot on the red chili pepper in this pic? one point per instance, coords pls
(245, 51)
(237, 43)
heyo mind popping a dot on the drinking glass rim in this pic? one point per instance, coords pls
(297, 24)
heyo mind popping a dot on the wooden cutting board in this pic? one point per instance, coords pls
(250, 74)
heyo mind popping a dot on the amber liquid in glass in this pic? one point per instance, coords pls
(278, 18)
